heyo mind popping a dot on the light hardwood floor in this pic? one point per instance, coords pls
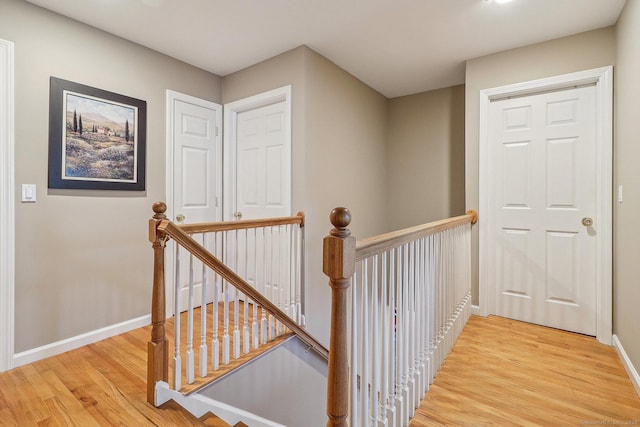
(500, 372)
(505, 373)
(102, 384)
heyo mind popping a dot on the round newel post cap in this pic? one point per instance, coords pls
(340, 217)
(159, 208)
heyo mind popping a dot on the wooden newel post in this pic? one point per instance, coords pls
(158, 347)
(339, 251)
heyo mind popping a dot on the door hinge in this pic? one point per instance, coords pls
(217, 131)
(216, 201)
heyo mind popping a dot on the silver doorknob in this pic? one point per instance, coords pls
(180, 217)
(237, 215)
(587, 222)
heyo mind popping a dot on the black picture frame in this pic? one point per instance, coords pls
(106, 150)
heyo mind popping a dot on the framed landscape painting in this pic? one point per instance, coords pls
(97, 139)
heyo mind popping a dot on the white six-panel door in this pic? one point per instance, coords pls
(258, 180)
(263, 187)
(257, 156)
(263, 165)
(543, 195)
(197, 171)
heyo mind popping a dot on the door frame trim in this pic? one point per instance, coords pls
(7, 202)
(230, 114)
(602, 78)
(171, 97)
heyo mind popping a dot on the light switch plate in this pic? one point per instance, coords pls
(28, 193)
(619, 193)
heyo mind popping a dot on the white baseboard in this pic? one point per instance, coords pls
(475, 310)
(628, 366)
(72, 343)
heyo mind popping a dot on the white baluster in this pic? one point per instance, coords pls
(236, 304)
(226, 350)
(177, 358)
(468, 278)
(441, 308)
(450, 289)
(203, 317)
(278, 290)
(245, 304)
(393, 354)
(254, 321)
(353, 362)
(424, 313)
(300, 259)
(415, 322)
(272, 240)
(294, 283)
(271, 294)
(430, 307)
(215, 344)
(387, 330)
(190, 354)
(415, 316)
(364, 319)
(406, 337)
(455, 301)
(445, 299)
(426, 310)
(446, 292)
(236, 321)
(263, 320)
(410, 337)
(399, 344)
(375, 342)
(289, 308)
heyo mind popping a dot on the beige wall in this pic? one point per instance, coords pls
(626, 269)
(425, 157)
(339, 129)
(569, 54)
(83, 261)
(346, 140)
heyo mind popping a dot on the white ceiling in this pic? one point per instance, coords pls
(398, 47)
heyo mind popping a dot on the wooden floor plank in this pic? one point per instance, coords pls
(499, 373)
(503, 372)
(102, 384)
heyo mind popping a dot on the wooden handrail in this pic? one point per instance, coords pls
(376, 244)
(208, 227)
(183, 239)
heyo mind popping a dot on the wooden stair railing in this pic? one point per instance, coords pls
(402, 275)
(160, 231)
